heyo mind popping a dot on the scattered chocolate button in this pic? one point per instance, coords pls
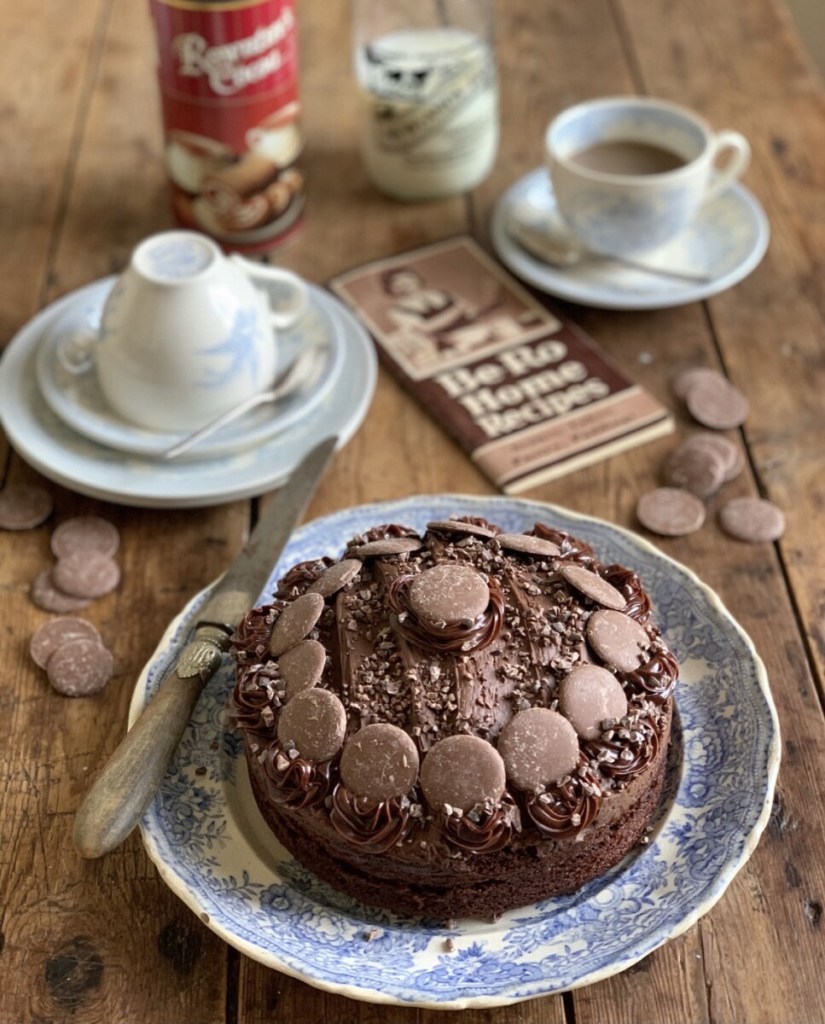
(539, 747)
(295, 622)
(462, 771)
(379, 762)
(593, 586)
(617, 639)
(80, 668)
(449, 592)
(453, 526)
(336, 577)
(388, 546)
(55, 632)
(717, 403)
(529, 545)
(302, 666)
(684, 380)
(697, 468)
(314, 723)
(727, 452)
(86, 574)
(670, 511)
(752, 519)
(85, 533)
(24, 507)
(47, 596)
(589, 695)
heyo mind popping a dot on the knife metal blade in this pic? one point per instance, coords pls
(129, 780)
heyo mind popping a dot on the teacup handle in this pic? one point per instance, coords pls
(300, 293)
(75, 351)
(737, 162)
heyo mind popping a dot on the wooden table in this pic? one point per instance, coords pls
(81, 182)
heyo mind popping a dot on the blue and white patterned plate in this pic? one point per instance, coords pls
(726, 240)
(212, 848)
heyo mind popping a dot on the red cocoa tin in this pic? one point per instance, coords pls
(228, 75)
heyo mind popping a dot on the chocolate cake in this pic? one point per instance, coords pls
(455, 723)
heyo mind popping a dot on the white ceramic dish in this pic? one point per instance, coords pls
(727, 240)
(205, 835)
(78, 401)
(59, 453)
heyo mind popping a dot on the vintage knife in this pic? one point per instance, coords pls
(127, 783)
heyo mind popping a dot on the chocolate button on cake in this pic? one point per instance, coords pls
(456, 723)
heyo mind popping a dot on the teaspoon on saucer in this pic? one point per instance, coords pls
(300, 373)
(540, 234)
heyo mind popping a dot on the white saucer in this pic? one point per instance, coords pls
(77, 399)
(71, 460)
(727, 240)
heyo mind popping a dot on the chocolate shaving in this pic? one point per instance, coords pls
(485, 829)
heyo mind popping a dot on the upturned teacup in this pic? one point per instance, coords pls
(629, 173)
(185, 333)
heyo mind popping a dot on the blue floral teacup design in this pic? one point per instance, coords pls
(185, 333)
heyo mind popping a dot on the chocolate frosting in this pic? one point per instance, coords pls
(572, 549)
(628, 583)
(373, 826)
(452, 637)
(252, 708)
(656, 678)
(296, 781)
(485, 829)
(626, 750)
(569, 806)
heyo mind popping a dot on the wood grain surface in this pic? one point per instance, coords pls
(81, 182)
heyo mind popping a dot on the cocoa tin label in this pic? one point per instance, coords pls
(228, 76)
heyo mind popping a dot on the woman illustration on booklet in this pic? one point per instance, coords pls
(435, 320)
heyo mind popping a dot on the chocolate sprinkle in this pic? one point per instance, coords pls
(539, 748)
(314, 723)
(380, 761)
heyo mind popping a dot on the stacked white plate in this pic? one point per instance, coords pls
(60, 423)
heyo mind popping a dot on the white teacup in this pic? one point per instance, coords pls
(185, 335)
(629, 173)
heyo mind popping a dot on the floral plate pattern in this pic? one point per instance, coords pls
(205, 835)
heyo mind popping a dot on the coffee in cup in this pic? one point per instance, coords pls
(629, 173)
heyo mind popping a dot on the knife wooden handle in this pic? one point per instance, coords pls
(131, 777)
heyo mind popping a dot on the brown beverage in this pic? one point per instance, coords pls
(625, 156)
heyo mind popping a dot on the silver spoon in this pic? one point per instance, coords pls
(302, 371)
(539, 233)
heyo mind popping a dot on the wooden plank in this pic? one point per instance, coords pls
(113, 942)
(45, 78)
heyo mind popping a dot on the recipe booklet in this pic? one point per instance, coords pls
(524, 391)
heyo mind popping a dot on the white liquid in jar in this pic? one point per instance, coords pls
(429, 111)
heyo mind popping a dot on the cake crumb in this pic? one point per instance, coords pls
(448, 945)
(371, 934)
